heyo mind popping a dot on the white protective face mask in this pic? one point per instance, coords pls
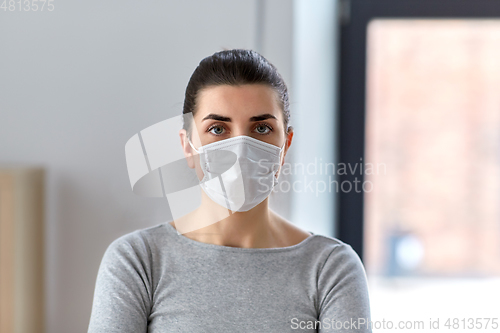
(239, 172)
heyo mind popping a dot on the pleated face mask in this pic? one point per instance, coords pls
(239, 172)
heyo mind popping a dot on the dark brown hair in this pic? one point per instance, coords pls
(235, 67)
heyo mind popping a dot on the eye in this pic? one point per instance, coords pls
(216, 129)
(263, 128)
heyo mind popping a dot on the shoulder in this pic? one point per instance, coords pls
(329, 250)
(340, 254)
(342, 284)
(342, 267)
(139, 243)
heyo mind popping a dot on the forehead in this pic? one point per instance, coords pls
(238, 101)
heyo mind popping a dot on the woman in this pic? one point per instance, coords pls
(242, 270)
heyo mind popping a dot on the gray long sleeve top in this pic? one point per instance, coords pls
(158, 281)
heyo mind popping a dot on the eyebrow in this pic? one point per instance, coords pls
(222, 118)
(262, 117)
(216, 117)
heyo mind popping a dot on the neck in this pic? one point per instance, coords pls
(256, 228)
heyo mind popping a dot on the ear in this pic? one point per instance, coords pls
(186, 148)
(289, 136)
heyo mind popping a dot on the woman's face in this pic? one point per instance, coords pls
(228, 111)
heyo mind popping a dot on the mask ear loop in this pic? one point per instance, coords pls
(282, 149)
(196, 150)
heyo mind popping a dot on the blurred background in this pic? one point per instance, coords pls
(407, 91)
(420, 103)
